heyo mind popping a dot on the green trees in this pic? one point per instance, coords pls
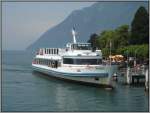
(140, 51)
(93, 40)
(140, 27)
(122, 36)
(118, 38)
(104, 39)
(134, 42)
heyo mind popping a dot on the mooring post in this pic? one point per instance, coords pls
(146, 80)
(128, 76)
(143, 69)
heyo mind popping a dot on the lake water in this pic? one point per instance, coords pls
(25, 90)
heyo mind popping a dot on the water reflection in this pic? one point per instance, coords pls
(64, 96)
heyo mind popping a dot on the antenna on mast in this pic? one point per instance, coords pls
(74, 35)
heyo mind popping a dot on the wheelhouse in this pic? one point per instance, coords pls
(79, 46)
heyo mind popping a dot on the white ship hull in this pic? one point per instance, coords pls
(79, 62)
(102, 79)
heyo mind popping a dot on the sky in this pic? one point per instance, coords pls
(24, 22)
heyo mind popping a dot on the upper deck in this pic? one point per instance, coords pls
(74, 49)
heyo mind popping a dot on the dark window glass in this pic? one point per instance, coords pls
(96, 78)
(45, 51)
(57, 51)
(81, 46)
(82, 61)
(68, 61)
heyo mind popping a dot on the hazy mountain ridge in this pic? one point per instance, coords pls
(96, 18)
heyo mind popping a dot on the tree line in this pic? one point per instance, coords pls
(130, 40)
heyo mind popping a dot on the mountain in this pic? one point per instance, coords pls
(94, 19)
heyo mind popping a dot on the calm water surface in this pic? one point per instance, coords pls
(25, 90)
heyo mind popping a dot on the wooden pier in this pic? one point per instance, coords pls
(137, 79)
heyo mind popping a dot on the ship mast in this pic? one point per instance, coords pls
(74, 35)
(110, 52)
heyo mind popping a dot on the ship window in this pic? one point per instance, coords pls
(46, 62)
(45, 51)
(57, 51)
(54, 51)
(68, 61)
(49, 51)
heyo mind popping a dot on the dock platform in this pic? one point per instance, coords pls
(137, 79)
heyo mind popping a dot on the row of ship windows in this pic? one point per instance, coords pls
(50, 63)
(51, 51)
(81, 47)
(82, 61)
(68, 61)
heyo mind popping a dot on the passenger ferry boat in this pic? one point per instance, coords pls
(78, 62)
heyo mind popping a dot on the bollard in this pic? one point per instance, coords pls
(146, 80)
(143, 69)
(128, 76)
